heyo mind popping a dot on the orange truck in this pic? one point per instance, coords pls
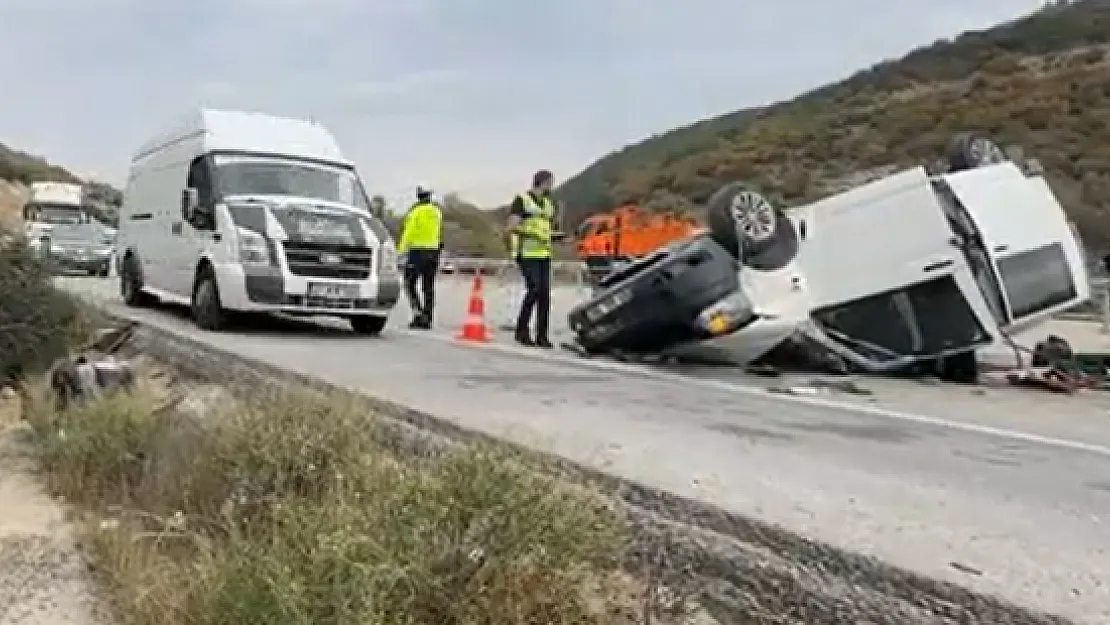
(627, 232)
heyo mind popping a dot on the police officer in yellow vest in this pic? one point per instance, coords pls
(418, 251)
(530, 233)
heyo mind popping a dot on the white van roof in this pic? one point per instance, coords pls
(57, 193)
(251, 132)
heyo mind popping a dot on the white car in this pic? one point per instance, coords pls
(244, 212)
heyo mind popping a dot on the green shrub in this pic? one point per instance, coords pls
(293, 511)
(37, 322)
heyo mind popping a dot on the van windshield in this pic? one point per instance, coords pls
(51, 213)
(255, 175)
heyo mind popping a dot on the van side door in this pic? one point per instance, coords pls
(883, 268)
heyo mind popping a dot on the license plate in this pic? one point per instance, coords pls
(608, 305)
(332, 290)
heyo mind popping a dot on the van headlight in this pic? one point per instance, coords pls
(253, 249)
(387, 263)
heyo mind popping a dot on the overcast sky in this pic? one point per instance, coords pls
(465, 95)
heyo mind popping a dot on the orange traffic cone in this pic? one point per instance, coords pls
(474, 329)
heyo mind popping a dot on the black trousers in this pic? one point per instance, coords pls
(422, 267)
(537, 295)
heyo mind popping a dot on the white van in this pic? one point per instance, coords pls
(245, 212)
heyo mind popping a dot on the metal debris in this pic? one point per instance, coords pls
(94, 371)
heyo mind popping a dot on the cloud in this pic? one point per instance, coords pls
(470, 95)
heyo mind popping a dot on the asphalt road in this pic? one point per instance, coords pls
(1002, 490)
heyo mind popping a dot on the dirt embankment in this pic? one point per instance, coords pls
(12, 197)
(44, 576)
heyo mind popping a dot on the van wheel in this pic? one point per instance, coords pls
(131, 284)
(369, 325)
(970, 151)
(207, 311)
(753, 230)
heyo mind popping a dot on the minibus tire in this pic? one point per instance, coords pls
(207, 311)
(778, 230)
(971, 151)
(131, 284)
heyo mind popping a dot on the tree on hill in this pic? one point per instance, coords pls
(1041, 82)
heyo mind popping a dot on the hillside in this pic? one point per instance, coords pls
(1042, 82)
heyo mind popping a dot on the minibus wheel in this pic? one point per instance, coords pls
(207, 311)
(131, 284)
(756, 232)
(971, 151)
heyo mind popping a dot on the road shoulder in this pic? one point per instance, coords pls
(44, 578)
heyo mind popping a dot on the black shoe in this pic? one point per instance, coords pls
(544, 343)
(524, 340)
(416, 324)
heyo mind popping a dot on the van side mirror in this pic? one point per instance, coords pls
(190, 202)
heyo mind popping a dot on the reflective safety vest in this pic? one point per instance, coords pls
(421, 228)
(535, 240)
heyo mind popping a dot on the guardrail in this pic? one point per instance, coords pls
(562, 271)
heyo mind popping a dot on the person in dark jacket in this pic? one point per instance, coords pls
(529, 234)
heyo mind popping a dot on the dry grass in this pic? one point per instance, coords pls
(275, 512)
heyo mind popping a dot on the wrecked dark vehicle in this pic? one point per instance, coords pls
(648, 304)
(906, 270)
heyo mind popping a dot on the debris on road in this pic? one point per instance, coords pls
(1044, 378)
(818, 386)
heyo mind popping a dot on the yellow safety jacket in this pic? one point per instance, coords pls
(535, 238)
(421, 228)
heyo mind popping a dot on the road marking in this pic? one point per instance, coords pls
(647, 371)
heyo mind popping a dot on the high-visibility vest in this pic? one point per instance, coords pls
(536, 226)
(421, 228)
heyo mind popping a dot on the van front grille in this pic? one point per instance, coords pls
(324, 260)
